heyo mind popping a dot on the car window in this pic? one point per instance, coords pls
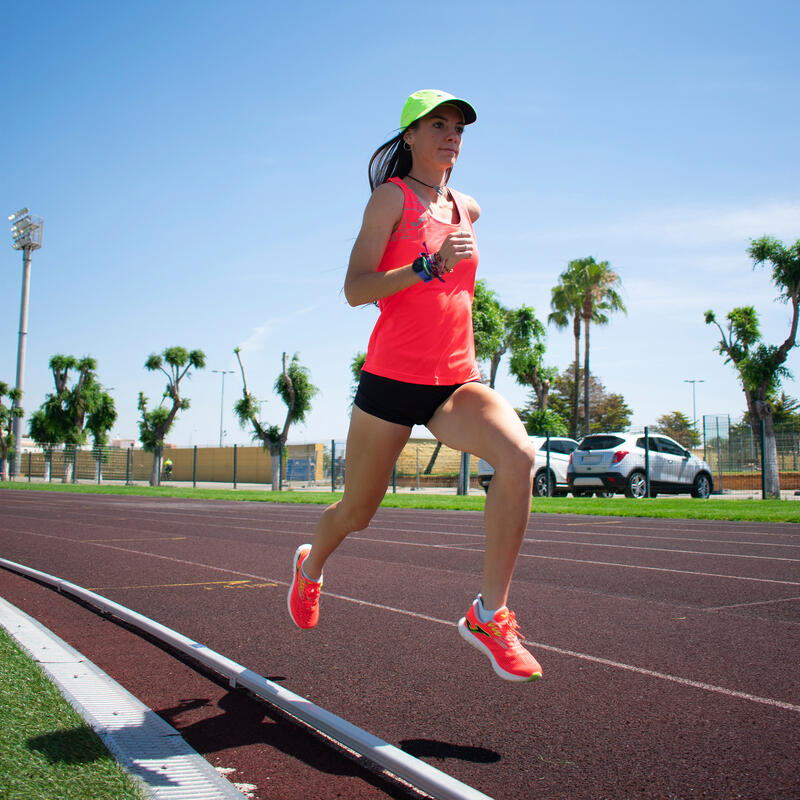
(556, 447)
(600, 442)
(667, 446)
(650, 441)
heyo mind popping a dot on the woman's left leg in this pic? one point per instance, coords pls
(476, 419)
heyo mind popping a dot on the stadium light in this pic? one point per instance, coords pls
(27, 232)
(693, 381)
(222, 372)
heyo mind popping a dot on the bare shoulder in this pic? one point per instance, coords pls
(472, 207)
(385, 204)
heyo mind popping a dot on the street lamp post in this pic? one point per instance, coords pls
(694, 403)
(27, 232)
(222, 372)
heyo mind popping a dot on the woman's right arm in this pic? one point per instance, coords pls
(364, 284)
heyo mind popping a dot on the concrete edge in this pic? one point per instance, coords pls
(146, 746)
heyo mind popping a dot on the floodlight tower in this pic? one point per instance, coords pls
(27, 232)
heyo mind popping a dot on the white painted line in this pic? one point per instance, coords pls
(662, 550)
(583, 561)
(417, 773)
(707, 687)
(575, 654)
(753, 603)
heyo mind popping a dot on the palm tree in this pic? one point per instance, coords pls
(597, 285)
(566, 302)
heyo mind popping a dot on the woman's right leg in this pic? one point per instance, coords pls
(373, 446)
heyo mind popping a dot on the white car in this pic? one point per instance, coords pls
(616, 462)
(560, 449)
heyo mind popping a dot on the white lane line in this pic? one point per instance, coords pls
(680, 539)
(471, 549)
(754, 603)
(273, 520)
(707, 687)
(662, 549)
(586, 561)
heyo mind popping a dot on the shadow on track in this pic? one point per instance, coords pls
(431, 748)
(245, 721)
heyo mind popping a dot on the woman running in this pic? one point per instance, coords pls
(416, 257)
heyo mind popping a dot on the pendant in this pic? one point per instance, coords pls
(439, 190)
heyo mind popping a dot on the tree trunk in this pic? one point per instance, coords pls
(155, 472)
(66, 472)
(275, 456)
(586, 376)
(542, 389)
(772, 479)
(576, 330)
(5, 467)
(495, 363)
(432, 459)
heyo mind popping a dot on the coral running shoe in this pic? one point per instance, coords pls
(303, 599)
(499, 639)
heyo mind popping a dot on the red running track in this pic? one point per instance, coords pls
(669, 648)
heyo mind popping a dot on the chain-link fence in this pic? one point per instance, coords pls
(734, 453)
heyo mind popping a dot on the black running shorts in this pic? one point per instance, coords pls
(399, 402)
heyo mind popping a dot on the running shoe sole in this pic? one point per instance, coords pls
(479, 645)
(297, 553)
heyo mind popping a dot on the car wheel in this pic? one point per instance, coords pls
(540, 484)
(636, 485)
(701, 487)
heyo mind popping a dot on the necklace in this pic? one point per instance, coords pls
(438, 189)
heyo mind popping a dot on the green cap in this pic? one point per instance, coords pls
(425, 100)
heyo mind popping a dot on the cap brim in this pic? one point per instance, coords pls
(467, 111)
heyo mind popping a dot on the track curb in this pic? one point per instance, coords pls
(146, 746)
(418, 774)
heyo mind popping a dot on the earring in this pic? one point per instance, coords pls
(406, 146)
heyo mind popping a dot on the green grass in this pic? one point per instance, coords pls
(663, 507)
(47, 751)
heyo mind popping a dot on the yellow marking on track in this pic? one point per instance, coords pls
(159, 539)
(245, 584)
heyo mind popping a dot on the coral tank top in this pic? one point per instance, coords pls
(424, 333)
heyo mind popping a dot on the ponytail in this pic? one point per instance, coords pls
(390, 160)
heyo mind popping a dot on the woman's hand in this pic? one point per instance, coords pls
(456, 247)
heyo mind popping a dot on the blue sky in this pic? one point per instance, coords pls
(201, 170)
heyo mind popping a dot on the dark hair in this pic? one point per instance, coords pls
(390, 160)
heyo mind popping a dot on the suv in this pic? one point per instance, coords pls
(616, 462)
(560, 449)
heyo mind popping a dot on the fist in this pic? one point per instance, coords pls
(456, 247)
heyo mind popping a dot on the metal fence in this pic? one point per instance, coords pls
(735, 456)
(423, 464)
(732, 452)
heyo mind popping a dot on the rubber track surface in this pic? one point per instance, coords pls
(669, 648)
